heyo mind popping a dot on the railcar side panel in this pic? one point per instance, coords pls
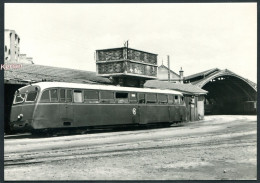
(142, 114)
(183, 113)
(47, 115)
(157, 113)
(175, 112)
(103, 114)
(67, 114)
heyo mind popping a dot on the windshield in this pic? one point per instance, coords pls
(19, 98)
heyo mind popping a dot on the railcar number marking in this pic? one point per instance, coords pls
(134, 111)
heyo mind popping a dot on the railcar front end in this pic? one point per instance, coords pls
(22, 111)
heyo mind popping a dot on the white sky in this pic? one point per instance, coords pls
(196, 36)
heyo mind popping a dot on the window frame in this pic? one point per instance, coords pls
(162, 94)
(66, 93)
(101, 100)
(171, 95)
(178, 99)
(26, 101)
(122, 100)
(73, 98)
(57, 95)
(138, 98)
(148, 102)
(14, 101)
(91, 100)
(182, 100)
(40, 100)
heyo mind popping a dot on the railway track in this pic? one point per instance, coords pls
(230, 139)
(28, 151)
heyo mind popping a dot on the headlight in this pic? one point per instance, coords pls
(20, 116)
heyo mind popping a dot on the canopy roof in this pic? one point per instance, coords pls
(185, 88)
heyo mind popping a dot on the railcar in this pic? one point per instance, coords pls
(57, 105)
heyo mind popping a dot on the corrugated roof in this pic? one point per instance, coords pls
(34, 72)
(203, 73)
(200, 82)
(186, 88)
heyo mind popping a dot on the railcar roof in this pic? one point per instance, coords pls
(45, 85)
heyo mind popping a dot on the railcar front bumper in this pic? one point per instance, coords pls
(21, 125)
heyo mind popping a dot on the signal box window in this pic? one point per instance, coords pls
(162, 99)
(141, 98)
(151, 98)
(121, 97)
(133, 98)
(77, 95)
(170, 101)
(176, 99)
(45, 96)
(31, 96)
(68, 96)
(91, 96)
(107, 97)
(62, 95)
(54, 95)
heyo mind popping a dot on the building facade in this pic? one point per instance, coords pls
(163, 75)
(12, 49)
(12, 46)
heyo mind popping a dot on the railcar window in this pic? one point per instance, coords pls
(162, 99)
(141, 97)
(45, 96)
(151, 98)
(107, 96)
(133, 98)
(19, 98)
(121, 97)
(69, 96)
(176, 99)
(31, 96)
(182, 99)
(62, 95)
(77, 95)
(91, 96)
(54, 95)
(170, 101)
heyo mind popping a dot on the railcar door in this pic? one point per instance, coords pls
(188, 108)
(175, 109)
(171, 107)
(66, 107)
(142, 108)
(192, 109)
(135, 109)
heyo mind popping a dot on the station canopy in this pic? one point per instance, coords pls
(184, 88)
(228, 92)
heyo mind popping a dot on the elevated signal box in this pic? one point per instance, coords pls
(127, 66)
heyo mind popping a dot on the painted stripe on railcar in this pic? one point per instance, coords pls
(45, 85)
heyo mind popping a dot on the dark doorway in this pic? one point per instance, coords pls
(229, 95)
(9, 90)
